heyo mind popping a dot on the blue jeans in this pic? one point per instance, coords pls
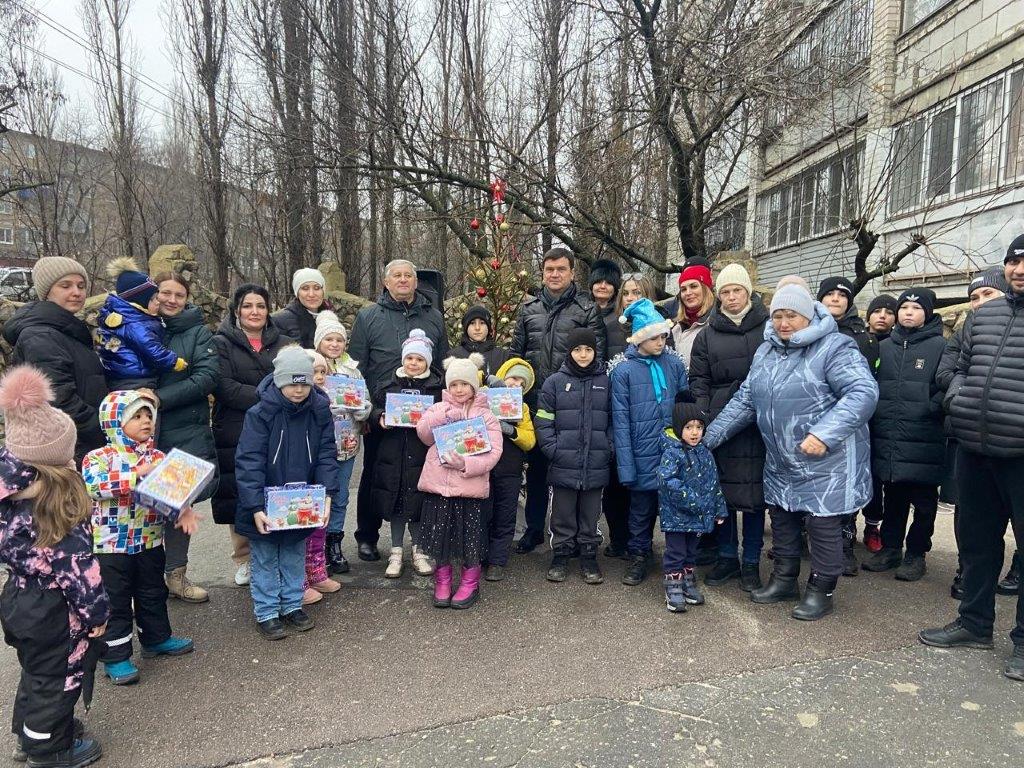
(643, 509)
(753, 537)
(337, 522)
(278, 575)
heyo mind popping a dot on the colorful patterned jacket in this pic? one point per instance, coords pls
(69, 565)
(119, 524)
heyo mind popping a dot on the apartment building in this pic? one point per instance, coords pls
(918, 132)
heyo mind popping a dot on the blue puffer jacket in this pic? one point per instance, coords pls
(690, 500)
(573, 427)
(637, 415)
(818, 383)
(130, 342)
(284, 442)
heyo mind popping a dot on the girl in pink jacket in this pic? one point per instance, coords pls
(456, 486)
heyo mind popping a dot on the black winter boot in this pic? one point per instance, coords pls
(954, 635)
(636, 572)
(589, 569)
(19, 756)
(956, 589)
(1011, 582)
(750, 577)
(781, 584)
(817, 601)
(1015, 665)
(850, 564)
(726, 568)
(83, 752)
(336, 562)
(884, 559)
(559, 568)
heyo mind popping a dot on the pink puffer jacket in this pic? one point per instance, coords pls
(473, 482)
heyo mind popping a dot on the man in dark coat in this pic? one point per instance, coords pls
(984, 402)
(908, 448)
(376, 342)
(719, 362)
(541, 337)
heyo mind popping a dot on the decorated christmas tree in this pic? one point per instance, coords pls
(500, 278)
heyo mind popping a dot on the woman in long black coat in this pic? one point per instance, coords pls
(246, 342)
(298, 318)
(719, 363)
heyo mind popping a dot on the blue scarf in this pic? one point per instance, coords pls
(657, 376)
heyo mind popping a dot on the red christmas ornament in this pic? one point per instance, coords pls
(481, 291)
(498, 187)
(495, 263)
(474, 224)
(499, 217)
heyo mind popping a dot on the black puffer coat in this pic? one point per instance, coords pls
(907, 441)
(852, 324)
(61, 346)
(400, 453)
(542, 330)
(615, 332)
(986, 396)
(719, 363)
(574, 429)
(184, 395)
(380, 329)
(241, 370)
(297, 322)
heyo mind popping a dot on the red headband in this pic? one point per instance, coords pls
(698, 272)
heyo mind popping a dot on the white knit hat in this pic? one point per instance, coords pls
(734, 274)
(418, 344)
(307, 275)
(327, 322)
(465, 369)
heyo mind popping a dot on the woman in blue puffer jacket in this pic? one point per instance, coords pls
(811, 394)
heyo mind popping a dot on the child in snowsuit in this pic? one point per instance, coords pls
(331, 341)
(456, 487)
(130, 333)
(517, 438)
(690, 502)
(53, 603)
(400, 455)
(128, 538)
(287, 437)
(644, 388)
(574, 431)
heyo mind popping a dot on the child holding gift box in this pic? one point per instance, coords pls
(331, 341)
(288, 437)
(456, 486)
(53, 603)
(400, 455)
(128, 537)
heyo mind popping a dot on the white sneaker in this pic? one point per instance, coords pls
(243, 575)
(421, 563)
(394, 569)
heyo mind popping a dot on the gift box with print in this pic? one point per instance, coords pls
(467, 437)
(174, 483)
(346, 392)
(506, 403)
(295, 505)
(402, 410)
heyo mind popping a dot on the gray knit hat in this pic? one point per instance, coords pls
(795, 298)
(49, 269)
(990, 278)
(293, 366)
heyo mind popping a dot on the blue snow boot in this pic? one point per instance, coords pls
(172, 646)
(675, 596)
(122, 672)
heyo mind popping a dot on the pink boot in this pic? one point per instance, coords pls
(469, 588)
(443, 586)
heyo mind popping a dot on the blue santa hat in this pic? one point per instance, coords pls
(647, 321)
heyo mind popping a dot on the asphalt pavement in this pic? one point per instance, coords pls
(541, 674)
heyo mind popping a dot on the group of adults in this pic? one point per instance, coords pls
(789, 394)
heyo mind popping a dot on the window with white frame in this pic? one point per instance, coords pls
(969, 143)
(916, 11)
(6, 236)
(6, 207)
(819, 201)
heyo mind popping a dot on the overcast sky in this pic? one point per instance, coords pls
(147, 30)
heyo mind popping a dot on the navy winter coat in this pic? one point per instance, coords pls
(130, 342)
(573, 425)
(639, 418)
(690, 499)
(284, 442)
(816, 383)
(907, 440)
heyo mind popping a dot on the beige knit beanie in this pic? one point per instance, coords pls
(37, 433)
(49, 269)
(733, 274)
